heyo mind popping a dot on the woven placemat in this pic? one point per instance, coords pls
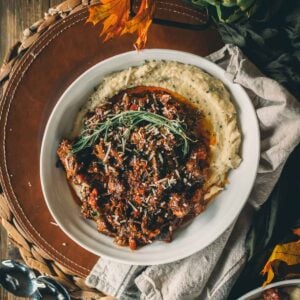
(32, 255)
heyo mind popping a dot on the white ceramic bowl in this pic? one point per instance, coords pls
(257, 293)
(204, 229)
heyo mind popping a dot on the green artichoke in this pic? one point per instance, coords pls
(228, 11)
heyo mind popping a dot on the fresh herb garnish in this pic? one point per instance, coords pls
(130, 119)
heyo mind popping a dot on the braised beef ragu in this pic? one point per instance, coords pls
(274, 294)
(137, 184)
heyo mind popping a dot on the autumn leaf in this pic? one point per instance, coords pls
(296, 231)
(114, 15)
(141, 22)
(288, 253)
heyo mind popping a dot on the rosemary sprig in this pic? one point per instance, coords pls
(131, 119)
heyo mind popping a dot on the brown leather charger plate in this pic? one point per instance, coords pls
(47, 68)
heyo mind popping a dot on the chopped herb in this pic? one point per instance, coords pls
(131, 119)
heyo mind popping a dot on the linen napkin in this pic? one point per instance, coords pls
(211, 272)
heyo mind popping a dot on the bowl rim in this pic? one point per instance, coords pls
(259, 290)
(211, 238)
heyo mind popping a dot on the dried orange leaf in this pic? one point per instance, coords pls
(296, 231)
(116, 20)
(141, 22)
(288, 253)
(113, 14)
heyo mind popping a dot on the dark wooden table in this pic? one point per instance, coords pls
(15, 16)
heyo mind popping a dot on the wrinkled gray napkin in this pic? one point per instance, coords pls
(211, 273)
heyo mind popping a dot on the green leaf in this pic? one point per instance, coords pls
(229, 11)
(246, 4)
(200, 3)
(230, 3)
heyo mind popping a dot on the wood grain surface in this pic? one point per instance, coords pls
(15, 16)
